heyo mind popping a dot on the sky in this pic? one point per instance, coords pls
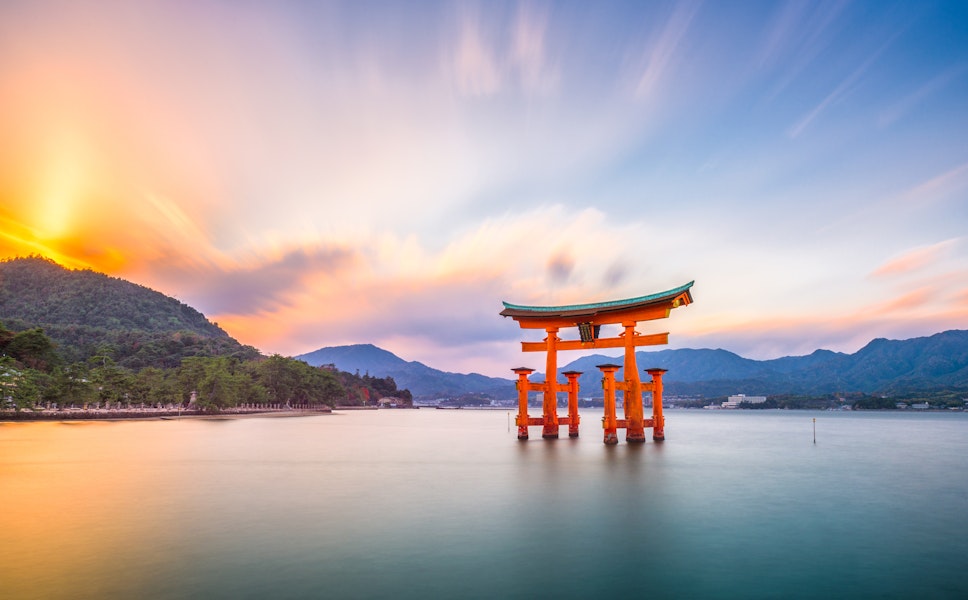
(312, 174)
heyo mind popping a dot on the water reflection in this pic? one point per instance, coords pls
(449, 503)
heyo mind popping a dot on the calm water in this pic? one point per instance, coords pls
(417, 504)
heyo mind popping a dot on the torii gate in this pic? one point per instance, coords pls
(589, 318)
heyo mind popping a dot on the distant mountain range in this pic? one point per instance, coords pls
(936, 362)
(424, 382)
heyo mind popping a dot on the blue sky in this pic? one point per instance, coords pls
(314, 174)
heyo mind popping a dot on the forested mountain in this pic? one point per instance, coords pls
(91, 314)
(80, 338)
(423, 381)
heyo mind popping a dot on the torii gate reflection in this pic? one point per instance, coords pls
(589, 318)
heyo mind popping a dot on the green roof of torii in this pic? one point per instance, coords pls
(516, 310)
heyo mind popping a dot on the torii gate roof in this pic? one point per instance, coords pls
(604, 312)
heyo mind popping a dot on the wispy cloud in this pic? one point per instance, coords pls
(475, 60)
(529, 50)
(909, 302)
(843, 89)
(485, 62)
(915, 260)
(265, 286)
(660, 55)
(799, 33)
(909, 102)
(940, 186)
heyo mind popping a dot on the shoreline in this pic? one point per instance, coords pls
(151, 414)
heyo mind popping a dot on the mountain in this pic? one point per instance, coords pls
(92, 314)
(423, 382)
(882, 366)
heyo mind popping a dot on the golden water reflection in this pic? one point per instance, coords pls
(76, 494)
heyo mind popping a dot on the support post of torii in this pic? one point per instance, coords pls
(524, 386)
(609, 422)
(573, 418)
(658, 421)
(549, 402)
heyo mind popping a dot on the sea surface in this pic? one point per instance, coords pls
(448, 504)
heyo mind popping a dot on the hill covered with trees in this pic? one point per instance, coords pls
(90, 314)
(81, 338)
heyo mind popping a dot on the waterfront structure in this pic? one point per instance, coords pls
(589, 319)
(737, 399)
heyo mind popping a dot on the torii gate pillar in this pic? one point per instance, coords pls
(549, 402)
(658, 421)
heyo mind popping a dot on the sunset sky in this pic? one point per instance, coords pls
(312, 174)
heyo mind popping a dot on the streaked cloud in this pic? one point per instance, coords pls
(475, 59)
(492, 54)
(915, 259)
(910, 101)
(843, 88)
(660, 54)
(941, 186)
(797, 35)
(263, 287)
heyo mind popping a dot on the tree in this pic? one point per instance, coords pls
(189, 375)
(33, 349)
(18, 389)
(280, 377)
(70, 384)
(287, 380)
(112, 382)
(152, 386)
(221, 386)
(5, 337)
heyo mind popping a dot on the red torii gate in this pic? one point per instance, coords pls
(589, 318)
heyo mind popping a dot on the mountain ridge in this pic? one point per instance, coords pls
(424, 382)
(882, 366)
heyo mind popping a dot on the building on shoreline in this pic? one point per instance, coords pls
(735, 401)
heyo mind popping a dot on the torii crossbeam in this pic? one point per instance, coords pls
(589, 318)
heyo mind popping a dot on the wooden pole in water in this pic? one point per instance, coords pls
(815, 430)
(550, 403)
(523, 388)
(609, 422)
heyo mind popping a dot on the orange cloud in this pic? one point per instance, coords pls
(906, 303)
(913, 260)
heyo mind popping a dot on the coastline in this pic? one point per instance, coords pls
(145, 414)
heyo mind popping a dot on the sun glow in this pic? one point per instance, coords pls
(60, 189)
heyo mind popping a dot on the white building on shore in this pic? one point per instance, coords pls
(735, 401)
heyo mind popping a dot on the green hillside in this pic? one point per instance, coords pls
(76, 338)
(91, 314)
